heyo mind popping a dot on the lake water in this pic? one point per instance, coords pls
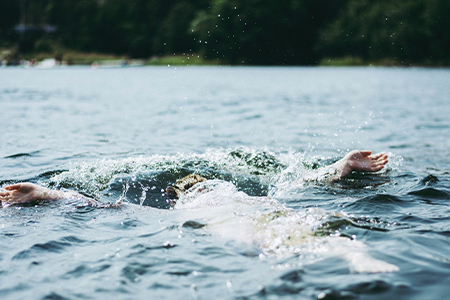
(124, 134)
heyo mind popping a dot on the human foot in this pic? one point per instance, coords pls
(28, 192)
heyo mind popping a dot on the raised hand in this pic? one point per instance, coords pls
(362, 161)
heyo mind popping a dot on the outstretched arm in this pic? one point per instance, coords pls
(358, 160)
(29, 192)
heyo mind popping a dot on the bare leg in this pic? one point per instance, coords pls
(359, 160)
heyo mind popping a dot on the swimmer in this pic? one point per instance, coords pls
(357, 160)
(257, 221)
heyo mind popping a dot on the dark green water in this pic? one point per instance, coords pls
(127, 133)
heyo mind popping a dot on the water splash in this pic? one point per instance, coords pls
(280, 232)
(95, 177)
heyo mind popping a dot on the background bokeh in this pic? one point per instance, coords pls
(269, 32)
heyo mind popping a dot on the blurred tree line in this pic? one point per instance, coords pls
(242, 32)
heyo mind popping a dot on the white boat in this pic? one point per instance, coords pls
(48, 63)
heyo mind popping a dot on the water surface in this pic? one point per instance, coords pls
(126, 133)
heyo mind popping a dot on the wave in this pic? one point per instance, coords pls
(257, 172)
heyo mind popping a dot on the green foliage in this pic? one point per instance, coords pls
(180, 60)
(377, 30)
(343, 61)
(263, 32)
(44, 45)
(437, 24)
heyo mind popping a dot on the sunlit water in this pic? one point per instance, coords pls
(124, 134)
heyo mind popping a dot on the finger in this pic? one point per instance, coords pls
(379, 166)
(380, 161)
(5, 199)
(365, 152)
(383, 156)
(378, 155)
(13, 187)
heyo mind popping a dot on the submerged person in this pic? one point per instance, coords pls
(357, 160)
(262, 221)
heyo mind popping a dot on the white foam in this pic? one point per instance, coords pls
(277, 230)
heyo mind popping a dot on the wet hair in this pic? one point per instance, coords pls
(182, 185)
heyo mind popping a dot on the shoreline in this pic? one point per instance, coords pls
(9, 57)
